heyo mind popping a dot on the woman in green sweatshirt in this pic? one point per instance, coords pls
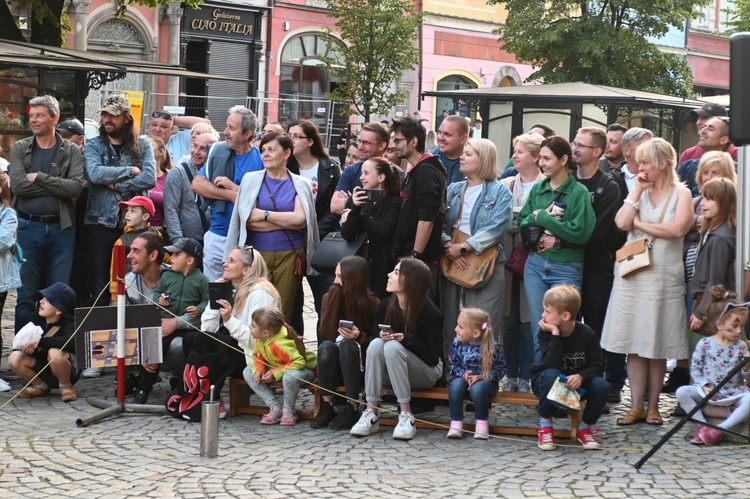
(558, 257)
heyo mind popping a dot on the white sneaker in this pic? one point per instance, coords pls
(4, 387)
(368, 424)
(406, 428)
(92, 372)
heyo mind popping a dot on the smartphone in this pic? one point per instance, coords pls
(220, 291)
(385, 328)
(346, 324)
(374, 195)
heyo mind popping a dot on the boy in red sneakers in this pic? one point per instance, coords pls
(570, 348)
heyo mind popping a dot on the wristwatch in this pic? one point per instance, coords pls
(558, 244)
(265, 215)
(463, 250)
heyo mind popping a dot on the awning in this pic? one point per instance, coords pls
(28, 54)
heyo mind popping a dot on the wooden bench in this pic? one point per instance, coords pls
(502, 398)
(239, 399)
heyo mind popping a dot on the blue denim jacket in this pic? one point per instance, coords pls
(9, 272)
(490, 217)
(103, 168)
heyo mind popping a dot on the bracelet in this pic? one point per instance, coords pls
(636, 206)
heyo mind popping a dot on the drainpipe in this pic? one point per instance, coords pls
(419, 67)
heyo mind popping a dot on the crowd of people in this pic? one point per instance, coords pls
(474, 278)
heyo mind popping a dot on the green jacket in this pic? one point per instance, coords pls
(577, 224)
(187, 290)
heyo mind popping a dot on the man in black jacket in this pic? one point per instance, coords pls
(598, 261)
(422, 200)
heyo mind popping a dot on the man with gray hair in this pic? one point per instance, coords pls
(219, 179)
(46, 175)
(625, 175)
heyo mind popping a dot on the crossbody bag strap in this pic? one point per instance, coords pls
(275, 208)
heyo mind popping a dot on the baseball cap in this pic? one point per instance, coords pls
(61, 296)
(186, 244)
(709, 109)
(70, 127)
(116, 105)
(142, 201)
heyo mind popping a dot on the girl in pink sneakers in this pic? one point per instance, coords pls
(713, 358)
(476, 366)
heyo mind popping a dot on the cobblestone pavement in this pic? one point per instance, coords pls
(45, 454)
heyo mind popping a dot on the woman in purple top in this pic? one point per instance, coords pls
(275, 213)
(163, 165)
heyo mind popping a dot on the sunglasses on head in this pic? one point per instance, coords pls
(249, 249)
(162, 114)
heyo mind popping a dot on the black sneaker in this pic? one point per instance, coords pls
(325, 415)
(131, 383)
(605, 409)
(615, 395)
(345, 419)
(679, 377)
(141, 397)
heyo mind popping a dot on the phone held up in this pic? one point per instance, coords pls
(220, 291)
(346, 324)
(374, 195)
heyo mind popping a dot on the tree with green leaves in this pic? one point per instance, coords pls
(380, 37)
(600, 41)
(49, 18)
(740, 20)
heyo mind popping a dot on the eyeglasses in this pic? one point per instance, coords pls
(249, 249)
(397, 141)
(162, 114)
(578, 144)
(730, 306)
(366, 143)
(297, 137)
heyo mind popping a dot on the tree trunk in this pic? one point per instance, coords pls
(48, 32)
(8, 28)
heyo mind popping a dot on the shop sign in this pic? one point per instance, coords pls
(213, 21)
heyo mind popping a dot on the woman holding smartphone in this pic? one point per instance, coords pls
(408, 352)
(346, 324)
(247, 271)
(377, 218)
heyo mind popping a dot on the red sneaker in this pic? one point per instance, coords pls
(587, 440)
(698, 438)
(712, 436)
(546, 438)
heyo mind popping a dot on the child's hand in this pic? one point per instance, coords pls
(257, 376)
(29, 349)
(551, 328)
(575, 381)
(707, 389)
(192, 311)
(268, 377)
(163, 301)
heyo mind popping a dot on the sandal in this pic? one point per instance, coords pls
(630, 418)
(654, 418)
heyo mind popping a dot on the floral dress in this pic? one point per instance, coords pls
(712, 362)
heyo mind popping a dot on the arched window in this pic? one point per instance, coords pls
(301, 66)
(453, 82)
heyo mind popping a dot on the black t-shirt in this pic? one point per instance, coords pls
(42, 161)
(606, 200)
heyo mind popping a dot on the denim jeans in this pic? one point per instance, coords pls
(518, 345)
(541, 275)
(480, 394)
(596, 394)
(48, 252)
(291, 380)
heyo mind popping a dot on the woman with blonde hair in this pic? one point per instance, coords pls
(646, 317)
(518, 344)
(481, 208)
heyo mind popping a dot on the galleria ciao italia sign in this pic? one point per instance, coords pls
(214, 21)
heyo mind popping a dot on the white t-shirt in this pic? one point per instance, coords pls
(312, 176)
(629, 178)
(470, 197)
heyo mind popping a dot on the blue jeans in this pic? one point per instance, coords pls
(596, 394)
(518, 346)
(541, 275)
(480, 394)
(49, 259)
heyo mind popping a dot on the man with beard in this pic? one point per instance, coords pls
(119, 166)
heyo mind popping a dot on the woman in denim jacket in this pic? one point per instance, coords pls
(9, 273)
(486, 216)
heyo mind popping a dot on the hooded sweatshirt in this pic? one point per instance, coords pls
(714, 265)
